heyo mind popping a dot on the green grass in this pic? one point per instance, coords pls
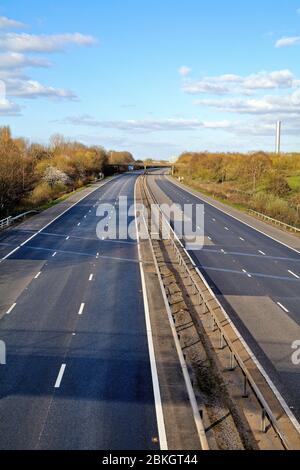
(294, 182)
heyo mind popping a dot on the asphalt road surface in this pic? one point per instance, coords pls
(256, 279)
(78, 373)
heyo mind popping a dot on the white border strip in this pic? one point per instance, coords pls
(154, 373)
(184, 368)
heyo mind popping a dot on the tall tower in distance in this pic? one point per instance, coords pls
(278, 137)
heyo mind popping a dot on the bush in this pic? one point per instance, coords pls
(44, 193)
(259, 201)
(274, 207)
(279, 209)
(41, 194)
(278, 185)
(53, 176)
(32, 174)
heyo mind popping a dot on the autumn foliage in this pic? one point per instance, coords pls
(264, 182)
(32, 175)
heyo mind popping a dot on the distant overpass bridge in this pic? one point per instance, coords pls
(112, 169)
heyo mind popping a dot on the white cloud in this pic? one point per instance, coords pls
(204, 86)
(44, 43)
(269, 104)
(136, 125)
(9, 23)
(288, 41)
(217, 125)
(158, 125)
(15, 60)
(265, 127)
(269, 81)
(184, 71)
(31, 89)
(226, 84)
(7, 108)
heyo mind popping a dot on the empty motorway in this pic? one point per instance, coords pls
(78, 373)
(256, 279)
(82, 371)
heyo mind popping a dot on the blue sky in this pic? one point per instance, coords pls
(153, 77)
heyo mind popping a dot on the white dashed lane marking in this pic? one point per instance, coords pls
(246, 272)
(60, 376)
(81, 309)
(293, 274)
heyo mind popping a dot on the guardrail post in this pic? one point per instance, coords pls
(264, 421)
(232, 361)
(221, 340)
(245, 395)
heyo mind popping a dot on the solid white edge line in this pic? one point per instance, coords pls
(184, 368)
(276, 392)
(11, 309)
(59, 216)
(155, 381)
(283, 307)
(60, 376)
(11, 253)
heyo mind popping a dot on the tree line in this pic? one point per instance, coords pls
(265, 182)
(32, 174)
